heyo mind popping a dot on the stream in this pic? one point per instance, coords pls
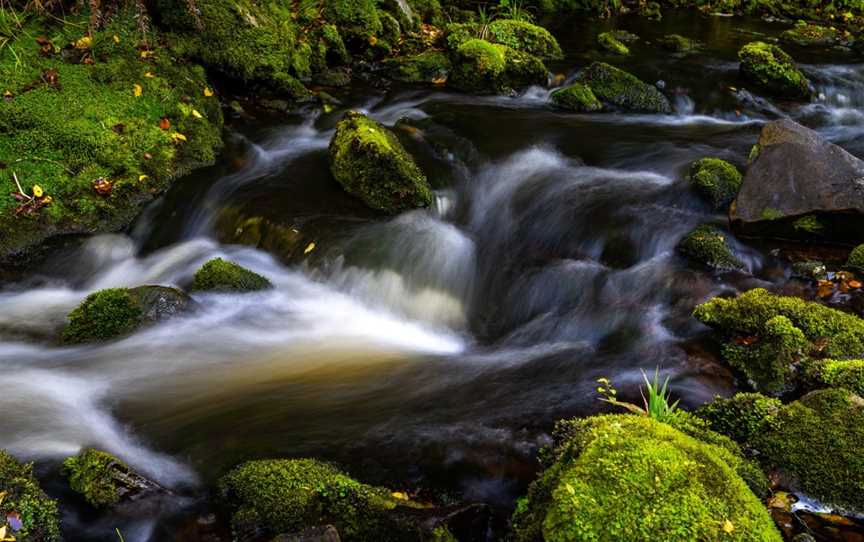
(430, 351)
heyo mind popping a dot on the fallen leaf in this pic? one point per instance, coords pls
(196, 114)
(745, 341)
(84, 43)
(439, 81)
(328, 108)
(728, 527)
(149, 75)
(373, 40)
(8, 95)
(42, 40)
(177, 136)
(399, 495)
(309, 248)
(146, 54)
(148, 156)
(116, 38)
(854, 284)
(51, 77)
(103, 186)
(825, 288)
(37, 191)
(88, 61)
(142, 178)
(137, 90)
(164, 123)
(208, 92)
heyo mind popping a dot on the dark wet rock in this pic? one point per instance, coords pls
(809, 270)
(624, 36)
(285, 242)
(800, 186)
(426, 68)
(327, 533)
(577, 97)
(678, 44)
(623, 90)
(707, 245)
(218, 275)
(333, 77)
(29, 514)
(104, 480)
(773, 70)
(716, 180)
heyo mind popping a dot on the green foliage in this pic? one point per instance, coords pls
(624, 90)
(90, 474)
(856, 257)
(657, 398)
(716, 180)
(224, 276)
(370, 163)
(514, 10)
(104, 315)
(609, 42)
(707, 245)
(577, 97)
(628, 477)
(38, 514)
(773, 70)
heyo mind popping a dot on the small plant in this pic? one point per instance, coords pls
(514, 9)
(484, 19)
(655, 398)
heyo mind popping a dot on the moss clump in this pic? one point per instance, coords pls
(358, 19)
(38, 514)
(832, 373)
(619, 88)
(811, 35)
(808, 224)
(740, 416)
(856, 257)
(223, 276)
(610, 43)
(577, 97)
(770, 362)
(426, 67)
(810, 270)
(279, 496)
(678, 44)
(773, 70)
(526, 37)
(90, 473)
(707, 245)
(632, 478)
(72, 117)
(716, 180)
(482, 66)
(104, 315)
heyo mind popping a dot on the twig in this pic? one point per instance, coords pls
(40, 159)
(20, 190)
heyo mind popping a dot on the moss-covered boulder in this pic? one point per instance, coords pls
(707, 245)
(103, 480)
(423, 68)
(773, 70)
(370, 163)
(610, 43)
(739, 417)
(357, 19)
(116, 312)
(716, 180)
(628, 477)
(623, 90)
(81, 126)
(577, 97)
(218, 275)
(526, 37)
(482, 66)
(835, 373)
(26, 512)
(811, 35)
(856, 257)
(678, 44)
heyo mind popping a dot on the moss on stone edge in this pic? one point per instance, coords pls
(358, 19)
(103, 315)
(739, 417)
(577, 97)
(856, 257)
(678, 44)
(223, 276)
(811, 35)
(370, 163)
(770, 363)
(526, 37)
(426, 67)
(619, 88)
(627, 477)
(833, 373)
(610, 43)
(773, 70)
(38, 514)
(716, 180)
(90, 474)
(482, 66)
(281, 496)
(707, 245)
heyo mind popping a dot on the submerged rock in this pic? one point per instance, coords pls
(26, 511)
(707, 245)
(370, 163)
(116, 312)
(811, 35)
(426, 67)
(678, 44)
(223, 276)
(716, 180)
(769, 67)
(577, 97)
(103, 480)
(608, 470)
(609, 42)
(800, 186)
(623, 90)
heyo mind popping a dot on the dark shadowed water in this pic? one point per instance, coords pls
(429, 351)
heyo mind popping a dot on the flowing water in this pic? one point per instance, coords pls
(429, 351)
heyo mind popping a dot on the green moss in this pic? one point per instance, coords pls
(808, 224)
(224, 276)
(281, 496)
(619, 88)
(526, 37)
(104, 315)
(739, 417)
(769, 363)
(832, 373)
(716, 180)
(816, 443)
(707, 245)
(426, 67)
(368, 160)
(608, 42)
(482, 66)
(38, 514)
(769, 213)
(631, 478)
(810, 270)
(357, 19)
(678, 44)
(856, 257)
(90, 474)
(577, 97)
(811, 35)
(773, 70)
(91, 125)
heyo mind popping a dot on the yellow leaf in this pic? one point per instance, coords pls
(399, 495)
(149, 75)
(728, 527)
(177, 136)
(84, 43)
(3, 495)
(138, 90)
(328, 108)
(146, 54)
(116, 38)
(142, 178)
(208, 92)
(309, 248)
(2, 532)
(196, 114)
(37, 191)
(47, 199)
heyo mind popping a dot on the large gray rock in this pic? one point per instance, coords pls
(800, 186)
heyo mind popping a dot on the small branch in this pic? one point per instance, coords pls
(20, 190)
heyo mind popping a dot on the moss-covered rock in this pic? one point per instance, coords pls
(715, 180)
(623, 90)
(368, 160)
(25, 502)
(833, 373)
(482, 66)
(811, 35)
(526, 37)
(83, 123)
(577, 97)
(629, 477)
(739, 417)
(856, 257)
(771, 361)
(678, 44)
(357, 19)
(426, 67)
(610, 43)
(707, 245)
(809, 270)
(102, 479)
(773, 70)
(218, 275)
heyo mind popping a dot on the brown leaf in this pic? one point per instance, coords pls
(119, 127)
(825, 288)
(854, 284)
(164, 123)
(148, 156)
(42, 40)
(88, 61)
(746, 341)
(103, 186)
(51, 77)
